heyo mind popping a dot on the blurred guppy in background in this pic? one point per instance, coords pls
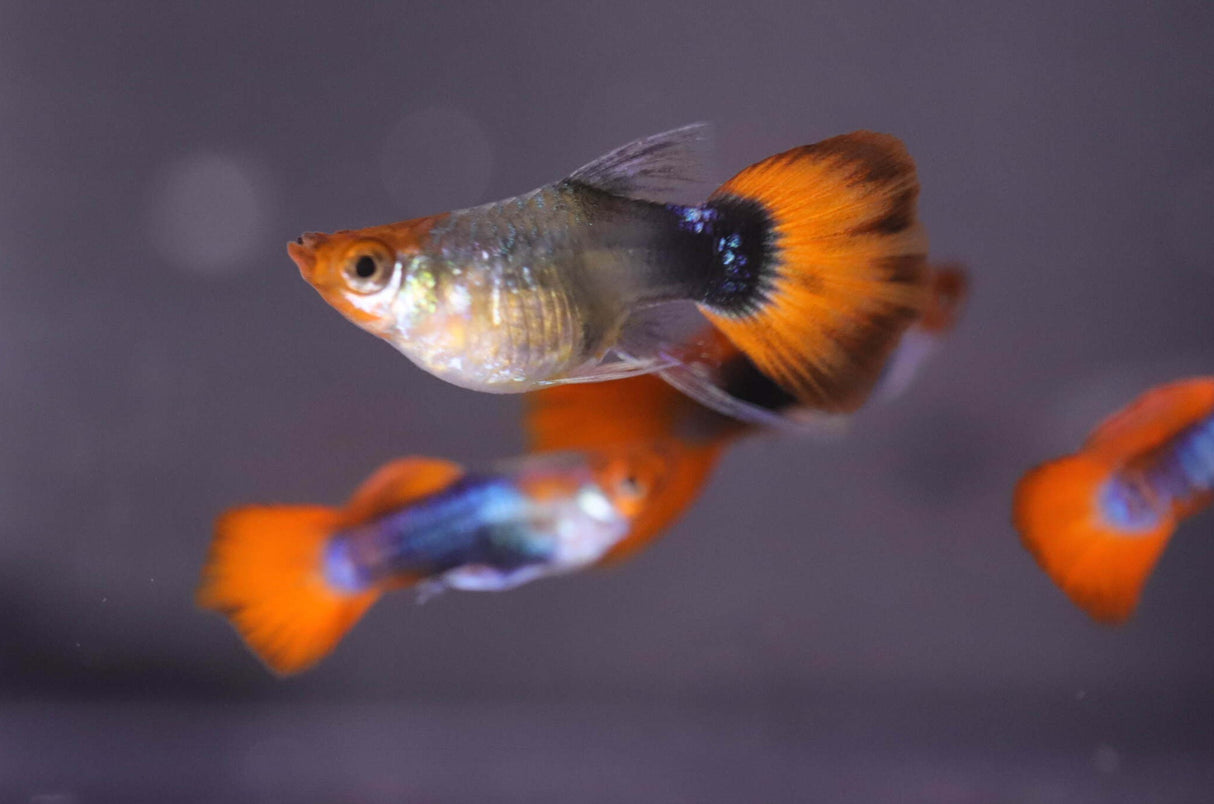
(1097, 521)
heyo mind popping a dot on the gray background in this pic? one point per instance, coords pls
(844, 620)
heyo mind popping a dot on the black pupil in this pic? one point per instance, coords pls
(365, 267)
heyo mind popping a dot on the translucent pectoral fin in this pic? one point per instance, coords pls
(614, 367)
(913, 351)
(650, 340)
(704, 383)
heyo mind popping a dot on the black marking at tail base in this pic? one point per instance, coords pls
(742, 380)
(740, 237)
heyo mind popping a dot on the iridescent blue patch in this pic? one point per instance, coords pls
(1126, 505)
(1185, 468)
(736, 233)
(341, 570)
(1194, 451)
(696, 219)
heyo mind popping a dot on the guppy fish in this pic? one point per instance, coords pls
(811, 263)
(1098, 520)
(293, 579)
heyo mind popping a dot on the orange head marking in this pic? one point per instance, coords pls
(359, 271)
(631, 478)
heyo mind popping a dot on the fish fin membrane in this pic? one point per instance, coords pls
(265, 574)
(696, 358)
(843, 267)
(949, 286)
(604, 416)
(397, 483)
(1152, 419)
(619, 366)
(657, 168)
(948, 290)
(1100, 567)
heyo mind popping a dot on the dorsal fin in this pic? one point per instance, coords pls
(653, 168)
(1152, 418)
(397, 483)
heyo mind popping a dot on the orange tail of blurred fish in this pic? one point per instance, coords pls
(841, 273)
(948, 289)
(266, 568)
(266, 574)
(1098, 521)
(642, 412)
(1100, 566)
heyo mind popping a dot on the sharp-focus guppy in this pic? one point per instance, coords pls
(811, 263)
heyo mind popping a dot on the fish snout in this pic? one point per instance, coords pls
(311, 239)
(303, 251)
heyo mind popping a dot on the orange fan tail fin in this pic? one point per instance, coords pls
(1095, 532)
(833, 265)
(949, 289)
(265, 573)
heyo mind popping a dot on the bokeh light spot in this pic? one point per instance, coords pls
(207, 212)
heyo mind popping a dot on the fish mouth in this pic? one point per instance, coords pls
(303, 252)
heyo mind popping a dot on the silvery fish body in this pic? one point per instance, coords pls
(529, 289)
(811, 263)
(488, 531)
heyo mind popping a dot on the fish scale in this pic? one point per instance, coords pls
(508, 253)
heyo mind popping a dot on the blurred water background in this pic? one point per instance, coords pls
(849, 620)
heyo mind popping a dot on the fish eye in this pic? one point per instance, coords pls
(631, 486)
(369, 267)
(632, 478)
